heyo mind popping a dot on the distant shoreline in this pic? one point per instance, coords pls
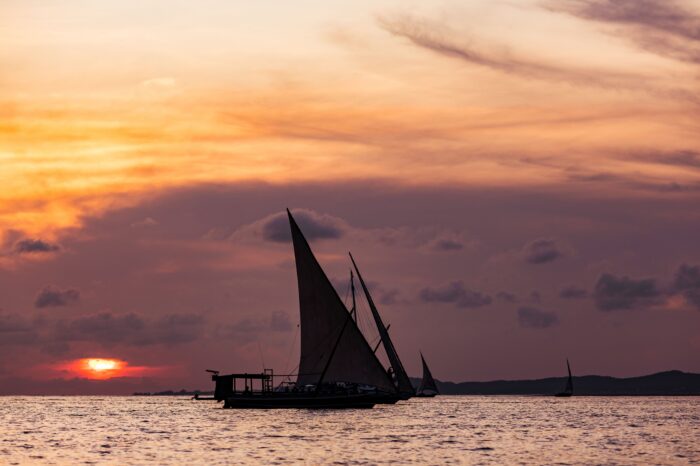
(669, 383)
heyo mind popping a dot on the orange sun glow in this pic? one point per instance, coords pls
(104, 368)
(97, 368)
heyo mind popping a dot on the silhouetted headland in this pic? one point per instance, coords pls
(661, 384)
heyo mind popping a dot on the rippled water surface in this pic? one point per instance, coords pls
(448, 429)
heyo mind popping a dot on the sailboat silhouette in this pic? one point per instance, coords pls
(337, 367)
(428, 387)
(569, 389)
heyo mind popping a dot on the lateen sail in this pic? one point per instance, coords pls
(428, 383)
(404, 383)
(331, 343)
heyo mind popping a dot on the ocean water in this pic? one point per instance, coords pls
(489, 430)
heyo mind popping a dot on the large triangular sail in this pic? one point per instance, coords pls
(403, 382)
(428, 383)
(332, 347)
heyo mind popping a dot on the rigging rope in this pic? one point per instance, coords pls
(289, 358)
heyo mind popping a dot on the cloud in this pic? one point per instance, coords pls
(248, 328)
(541, 251)
(146, 222)
(456, 293)
(129, 329)
(15, 329)
(660, 26)
(636, 184)
(685, 158)
(572, 292)
(280, 321)
(428, 238)
(54, 297)
(434, 37)
(687, 282)
(34, 246)
(389, 297)
(616, 293)
(506, 296)
(681, 158)
(446, 244)
(313, 224)
(535, 296)
(532, 317)
(275, 227)
(380, 294)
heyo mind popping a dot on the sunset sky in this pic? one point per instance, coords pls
(519, 181)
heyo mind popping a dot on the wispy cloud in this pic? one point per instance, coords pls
(439, 39)
(665, 27)
(685, 159)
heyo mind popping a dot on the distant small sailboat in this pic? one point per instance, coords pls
(569, 389)
(427, 388)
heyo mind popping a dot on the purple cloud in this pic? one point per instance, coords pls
(53, 297)
(572, 292)
(687, 282)
(541, 251)
(456, 293)
(313, 224)
(617, 293)
(35, 246)
(532, 317)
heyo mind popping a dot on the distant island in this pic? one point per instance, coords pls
(661, 384)
(670, 383)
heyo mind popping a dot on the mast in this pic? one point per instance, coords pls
(352, 288)
(376, 347)
(403, 382)
(330, 358)
(570, 381)
(332, 347)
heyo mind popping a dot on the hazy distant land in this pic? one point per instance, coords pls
(660, 384)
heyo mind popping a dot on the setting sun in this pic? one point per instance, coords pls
(100, 365)
(99, 368)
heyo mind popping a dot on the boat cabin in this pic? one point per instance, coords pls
(242, 384)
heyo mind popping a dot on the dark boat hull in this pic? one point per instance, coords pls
(300, 401)
(425, 395)
(563, 395)
(388, 399)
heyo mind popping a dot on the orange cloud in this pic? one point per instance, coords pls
(91, 139)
